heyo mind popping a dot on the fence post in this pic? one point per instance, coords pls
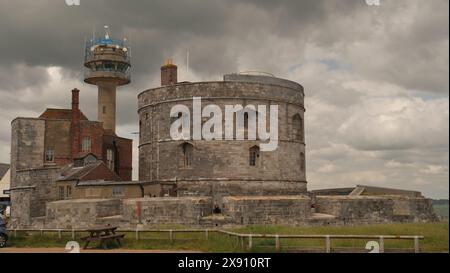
(277, 242)
(242, 242)
(15, 233)
(416, 244)
(42, 232)
(328, 244)
(137, 233)
(250, 242)
(59, 234)
(73, 234)
(171, 236)
(206, 235)
(381, 244)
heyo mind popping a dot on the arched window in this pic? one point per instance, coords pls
(254, 156)
(297, 127)
(187, 154)
(302, 163)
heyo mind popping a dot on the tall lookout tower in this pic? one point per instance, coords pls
(107, 63)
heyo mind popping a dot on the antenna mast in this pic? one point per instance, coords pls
(187, 62)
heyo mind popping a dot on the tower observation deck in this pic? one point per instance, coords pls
(107, 65)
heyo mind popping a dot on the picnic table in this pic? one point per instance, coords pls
(102, 235)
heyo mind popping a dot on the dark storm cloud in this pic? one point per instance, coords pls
(19, 76)
(49, 33)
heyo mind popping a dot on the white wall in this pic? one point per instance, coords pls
(5, 183)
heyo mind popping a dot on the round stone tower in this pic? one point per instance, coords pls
(107, 65)
(224, 167)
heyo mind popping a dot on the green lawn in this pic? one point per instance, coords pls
(436, 238)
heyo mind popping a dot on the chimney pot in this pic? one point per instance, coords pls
(169, 73)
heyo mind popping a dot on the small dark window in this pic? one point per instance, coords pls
(302, 162)
(187, 150)
(297, 127)
(68, 191)
(50, 155)
(254, 156)
(104, 109)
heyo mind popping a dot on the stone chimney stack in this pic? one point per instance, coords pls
(169, 73)
(75, 127)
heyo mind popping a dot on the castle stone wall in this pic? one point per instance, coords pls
(170, 210)
(160, 157)
(27, 145)
(219, 189)
(376, 209)
(34, 188)
(82, 213)
(248, 210)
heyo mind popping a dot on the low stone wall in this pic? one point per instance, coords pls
(236, 211)
(376, 209)
(169, 210)
(81, 213)
(414, 209)
(248, 210)
(220, 189)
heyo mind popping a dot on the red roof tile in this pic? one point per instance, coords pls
(60, 114)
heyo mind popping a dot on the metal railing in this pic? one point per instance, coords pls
(246, 240)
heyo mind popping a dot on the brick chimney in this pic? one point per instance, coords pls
(169, 73)
(75, 127)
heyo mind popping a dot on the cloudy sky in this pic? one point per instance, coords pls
(376, 77)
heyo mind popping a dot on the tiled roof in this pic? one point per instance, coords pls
(60, 114)
(111, 183)
(3, 169)
(71, 173)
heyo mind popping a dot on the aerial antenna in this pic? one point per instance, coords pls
(129, 44)
(187, 62)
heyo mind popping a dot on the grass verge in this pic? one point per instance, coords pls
(436, 238)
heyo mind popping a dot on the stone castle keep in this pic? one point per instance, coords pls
(70, 172)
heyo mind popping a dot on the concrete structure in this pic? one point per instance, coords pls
(107, 63)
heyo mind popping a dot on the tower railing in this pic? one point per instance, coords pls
(89, 54)
(88, 73)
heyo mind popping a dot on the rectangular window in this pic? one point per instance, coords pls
(117, 191)
(49, 155)
(253, 158)
(61, 193)
(86, 144)
(68, 191)
(110, 162)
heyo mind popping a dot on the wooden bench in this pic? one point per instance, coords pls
(103, 235)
